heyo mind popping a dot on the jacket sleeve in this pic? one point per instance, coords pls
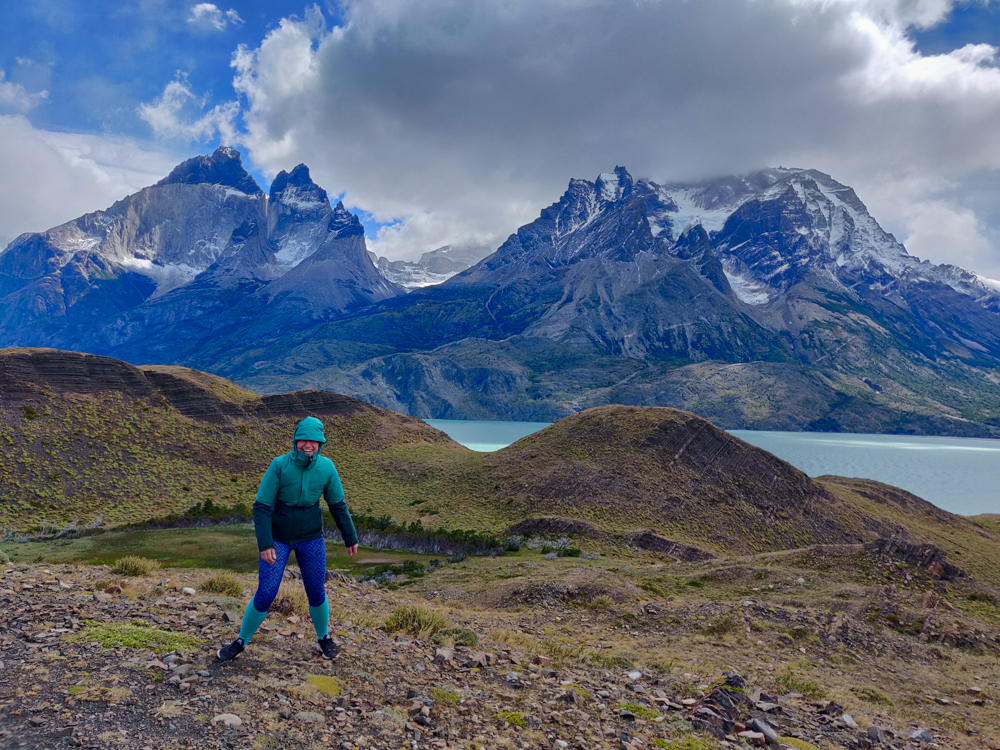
(333, 492)
(267, 493)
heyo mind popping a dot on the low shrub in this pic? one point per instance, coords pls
(224, 583)
(131, 565)
(721, 626)
(600, 603)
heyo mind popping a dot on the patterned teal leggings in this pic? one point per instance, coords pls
(311, 557)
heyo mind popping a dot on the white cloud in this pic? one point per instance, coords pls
(14, 97)
(168, 116)
(50, 178)
(461, 120)
(209, 17)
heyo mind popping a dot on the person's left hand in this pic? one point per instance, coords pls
(352, 551)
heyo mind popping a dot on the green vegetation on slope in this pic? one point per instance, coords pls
(140, 444)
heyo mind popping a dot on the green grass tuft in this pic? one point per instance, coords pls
(224, 583)
(455, 637)
(793, 684)
(132, 565)
(416, 620)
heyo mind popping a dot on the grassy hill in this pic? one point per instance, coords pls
(86, 436)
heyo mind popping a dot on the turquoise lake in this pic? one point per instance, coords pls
(961, 475)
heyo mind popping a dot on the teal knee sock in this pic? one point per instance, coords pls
(321, 619)
(251, 621)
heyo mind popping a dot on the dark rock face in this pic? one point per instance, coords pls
(769, 301)
(224, 167)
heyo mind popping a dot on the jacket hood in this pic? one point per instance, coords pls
(310, 428)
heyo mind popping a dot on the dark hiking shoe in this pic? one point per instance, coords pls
(327, 647)
(231, 651)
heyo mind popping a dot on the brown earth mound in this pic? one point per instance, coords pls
(673, 473)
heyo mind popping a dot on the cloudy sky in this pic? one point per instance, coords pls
(449, 121)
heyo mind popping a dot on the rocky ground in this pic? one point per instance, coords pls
(93, 660)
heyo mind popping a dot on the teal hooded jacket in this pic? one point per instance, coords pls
(287, 507)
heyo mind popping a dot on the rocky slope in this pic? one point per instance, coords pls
(831, 647)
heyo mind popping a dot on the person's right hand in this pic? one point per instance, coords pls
(269, 556)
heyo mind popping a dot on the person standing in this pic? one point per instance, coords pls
(287, 517)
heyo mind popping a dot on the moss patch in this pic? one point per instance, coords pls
(325, 684)
(510, 717)
(135, 635)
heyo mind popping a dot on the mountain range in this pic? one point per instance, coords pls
(772, 300)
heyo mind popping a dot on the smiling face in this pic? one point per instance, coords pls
(309, 447)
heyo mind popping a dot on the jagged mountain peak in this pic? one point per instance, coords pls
(614, 186)
(297, 190)
(343, 223)
(224, 167)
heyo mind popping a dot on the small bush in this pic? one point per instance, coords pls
(418, 621)
(30, 412)
(131, 565)
(4, 558)
(510, 717)
(455, 637)
(792, 684)
(224, 583)
(600, 603)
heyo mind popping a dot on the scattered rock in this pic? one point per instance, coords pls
(876, 735)
(188, 591)
(310, 717)
(230, 720)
